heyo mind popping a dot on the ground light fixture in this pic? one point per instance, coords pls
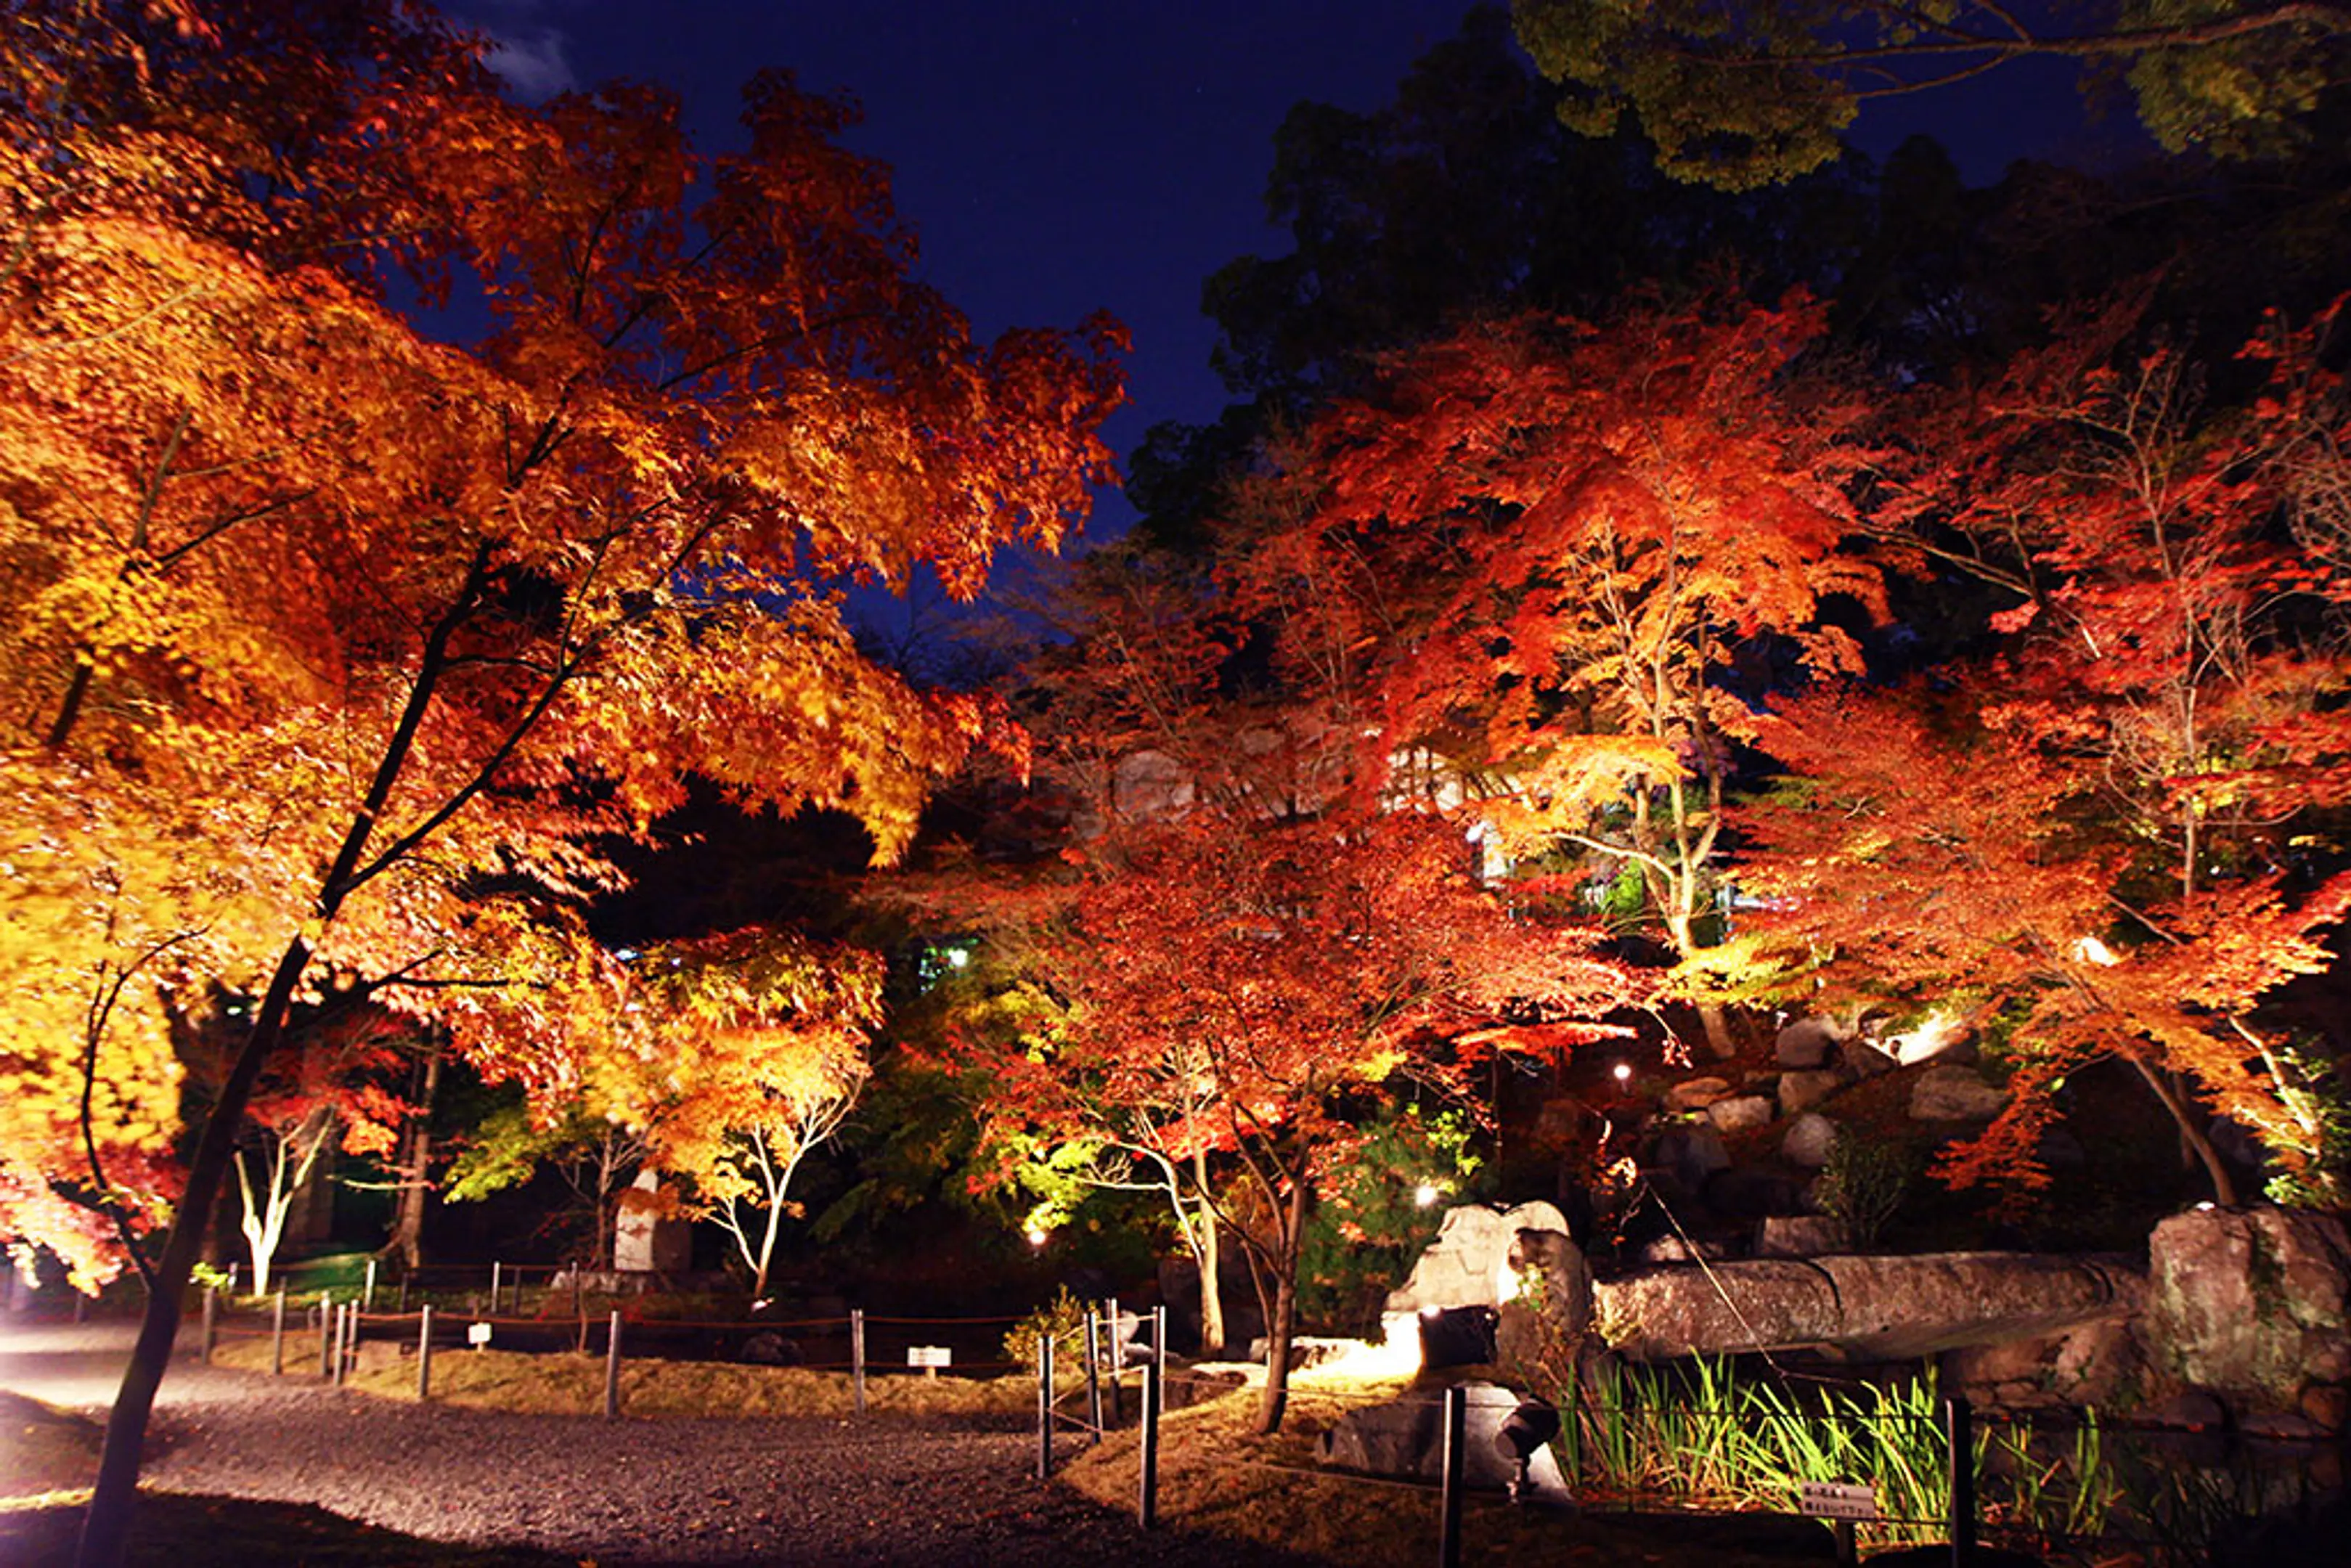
(1535, 1423)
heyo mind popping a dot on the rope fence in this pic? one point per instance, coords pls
(1930, 1471)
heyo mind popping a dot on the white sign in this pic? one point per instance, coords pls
(933, 1356)
(1836, 1500)
(477, 1335)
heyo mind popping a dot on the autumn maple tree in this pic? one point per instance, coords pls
(333, 642)
(2118, 826)
(1214, 990)
(328, 1088)
(1541, 555)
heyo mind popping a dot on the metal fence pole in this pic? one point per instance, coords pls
(278, 1334)
(1958, 1422)
(613, 1369)
(424, 1355)
(1093, 1372)
(1117, 1366)
(1045, 1405)
(497, 1285)
(326, 1340)
(212, 1323)
(1146, 1502)
(1448, 1528)
(857, 1355)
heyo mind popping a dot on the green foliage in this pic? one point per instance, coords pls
(2322, 1111)
(1742, 96)
(1863, 1184)
(1063, 1318)
(506, 1149)
(1369, 1226)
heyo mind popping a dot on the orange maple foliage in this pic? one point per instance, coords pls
(2109, 835)
(330, 641)
(1213, 992)
(1544, 548)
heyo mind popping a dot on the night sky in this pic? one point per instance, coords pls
(1059, 159)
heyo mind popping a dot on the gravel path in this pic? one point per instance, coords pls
(882, 1490)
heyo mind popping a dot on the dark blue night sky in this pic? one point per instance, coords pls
(1059, 159)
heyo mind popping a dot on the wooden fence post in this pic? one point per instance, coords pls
(612, 1368)
(326, 1340)
(857, 1355)
(424, 1355)
(278, 1334)
(1093, 1372)
(212, 1323)
(1146, 1502)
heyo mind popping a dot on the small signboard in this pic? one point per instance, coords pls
(477, 1335)
(930, 1357)
(1836, 1500)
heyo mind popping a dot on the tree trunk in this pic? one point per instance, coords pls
(1212, 1290)
(1209, 1254)
(1282, 1328)
(2191, 1136)
(415, 1169)
(106, 1528)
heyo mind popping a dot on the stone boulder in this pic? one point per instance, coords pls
(1806, 1042)
(1891, 1308)
(1741, 1111)
(1936, 1038)
(1954, 1094)
(1801, 1090)
(1406, 1439)
(2096, 1364)
(1551, 1320)
(1809, 1140)
(2251, 1305)
(1465, 1265)
(1684, 1155)
(1799, 1236)
(1696, 1094)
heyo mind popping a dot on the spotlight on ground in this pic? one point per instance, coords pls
(1535, 1423)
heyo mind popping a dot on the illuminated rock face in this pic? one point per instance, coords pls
(2251, 1304)
(1467, 1266)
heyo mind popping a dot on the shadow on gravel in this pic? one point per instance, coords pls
(182, 1531)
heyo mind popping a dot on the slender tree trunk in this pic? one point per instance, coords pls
(2191, 1136)
(415, 1169)
(1212, 1290)
(1283, 1330)
(1209, 1255)
(106, 1528)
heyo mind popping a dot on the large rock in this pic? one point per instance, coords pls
(1809, 1140)
(648, 1236)
(1465, 1265)
(1741, 1111)
(1685, 1154)
(1806, 1042)
(1406, 1439)
(1800, 1235)
(1800, 1092)
(1695, 1093)
(2250, 1303)
(1547, 1316)
(1954, 1094)
(1892, 1308)
(2095, 1364)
